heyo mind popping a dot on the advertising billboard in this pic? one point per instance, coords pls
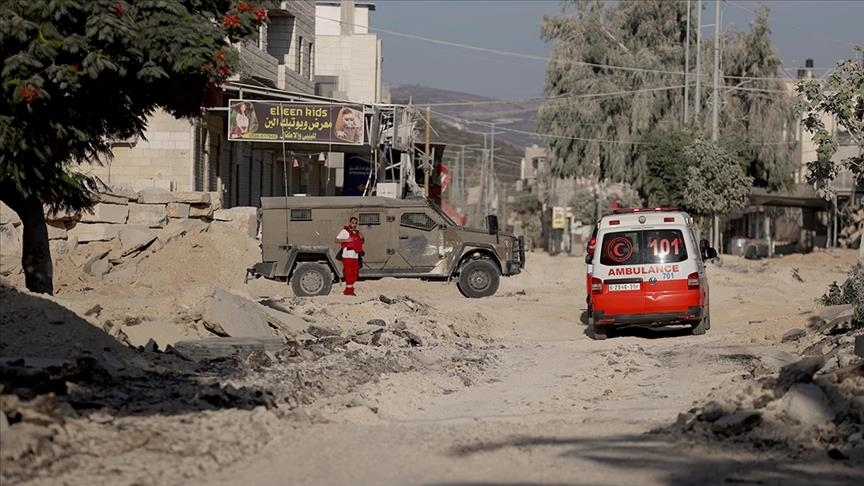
(277, 121)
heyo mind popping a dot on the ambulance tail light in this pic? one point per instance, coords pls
(693, 281)
(596, 285)
(614, 222)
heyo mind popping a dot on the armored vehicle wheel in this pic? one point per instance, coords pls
(478, 278)
(311, 279)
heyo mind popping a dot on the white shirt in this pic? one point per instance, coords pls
(346, 253)
(242, 122)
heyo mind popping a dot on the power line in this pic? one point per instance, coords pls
(565, 96)
(565, 137)
(535, 57)
(799, 28)
(501, 52)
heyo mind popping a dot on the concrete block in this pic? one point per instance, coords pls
(245, 219)
(133, 239)
(737, 423)
(216, 200)
(228, 314)
(122, 190)
(62, 215)
(155, 195)
(111, 199)
(10, 249)
(177, 210)
(150, 215)
(180, 227)
(106, 213)
(7, 216)
(201, 211)
(85, 232)
(56, 230)
(163, 333)
(98, 264)
(807, 404)
(193, 197)
(122, 275)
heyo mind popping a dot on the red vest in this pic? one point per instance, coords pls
(355, 240)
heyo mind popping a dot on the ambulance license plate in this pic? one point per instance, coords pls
(627, 286)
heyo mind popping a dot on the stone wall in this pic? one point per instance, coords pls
(163, 157)
(136, 223)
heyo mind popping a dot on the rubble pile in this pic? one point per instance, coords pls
(123, 227)
(74, 383)
(808, 400)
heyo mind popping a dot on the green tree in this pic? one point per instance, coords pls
(584, 201)
(716, 182)
(757, 114)
(841, 98)
(600, 136)
(667, 166)
(648, 34)
(78, 75)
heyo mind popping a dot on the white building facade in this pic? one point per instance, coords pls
(348, 58)
(195, 155)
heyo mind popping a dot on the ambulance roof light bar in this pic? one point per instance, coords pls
(643, 210)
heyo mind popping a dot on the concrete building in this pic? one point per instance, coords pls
(805, 150)
(536, 178)
(348, 58)
(796, 219)
(189, 155)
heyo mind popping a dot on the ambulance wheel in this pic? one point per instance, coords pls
(596, 332)
(478, 278)
(310, 279)
(703, 326)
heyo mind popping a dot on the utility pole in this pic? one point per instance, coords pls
(462, 178)
(482, 204)
(698, 103)
(492, 171)
(428, 166)
(715, 115)
(687, 68)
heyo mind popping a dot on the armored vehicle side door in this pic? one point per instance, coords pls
(372, 222)
(419, 240)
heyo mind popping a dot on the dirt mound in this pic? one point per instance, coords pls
(812, 403)
(100, 367)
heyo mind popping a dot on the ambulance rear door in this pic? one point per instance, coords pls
(620, 257)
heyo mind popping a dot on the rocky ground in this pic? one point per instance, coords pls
(139, 382)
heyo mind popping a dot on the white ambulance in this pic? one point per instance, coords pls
(647, 270)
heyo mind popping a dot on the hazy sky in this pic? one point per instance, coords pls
(819, 29)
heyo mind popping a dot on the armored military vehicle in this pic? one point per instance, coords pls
(405, 238)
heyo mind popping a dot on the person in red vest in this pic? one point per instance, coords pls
(351, 242)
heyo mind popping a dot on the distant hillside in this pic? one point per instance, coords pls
(424, 94)
(507, 156)
(518, 116)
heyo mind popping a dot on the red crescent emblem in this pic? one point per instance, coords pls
(619, 249)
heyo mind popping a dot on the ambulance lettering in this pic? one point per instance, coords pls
(666, 271)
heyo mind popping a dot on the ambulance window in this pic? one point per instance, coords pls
(664, 246)
(620, 248)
